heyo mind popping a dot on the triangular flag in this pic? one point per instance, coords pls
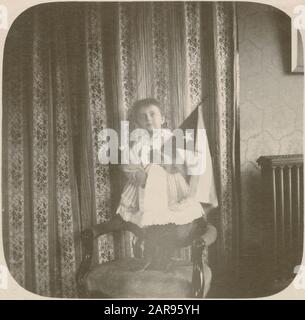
(202, 186)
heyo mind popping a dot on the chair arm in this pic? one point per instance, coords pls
(87, 239)
(116, 224)
(210, 235)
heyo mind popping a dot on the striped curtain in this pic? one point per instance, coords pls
(71, 70)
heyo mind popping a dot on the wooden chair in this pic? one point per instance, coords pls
(127, 278)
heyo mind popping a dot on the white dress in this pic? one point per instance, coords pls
(166, 198)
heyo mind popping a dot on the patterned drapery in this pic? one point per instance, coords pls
(71, 70)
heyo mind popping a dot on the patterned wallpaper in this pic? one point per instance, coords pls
(271, 101)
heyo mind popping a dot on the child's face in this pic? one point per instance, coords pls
(149, 118)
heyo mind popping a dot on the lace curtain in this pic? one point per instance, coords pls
(71, 70)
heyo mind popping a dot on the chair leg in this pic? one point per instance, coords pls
(198, 281)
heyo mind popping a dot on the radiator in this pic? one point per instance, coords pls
(282, 196)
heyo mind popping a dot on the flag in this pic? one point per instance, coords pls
(202, 186)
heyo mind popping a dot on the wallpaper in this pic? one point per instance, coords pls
(271, 99)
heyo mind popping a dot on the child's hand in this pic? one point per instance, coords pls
(139, 177)
(174, 168)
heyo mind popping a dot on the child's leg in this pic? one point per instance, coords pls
(188, 232)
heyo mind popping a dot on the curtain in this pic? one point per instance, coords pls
(71, 70)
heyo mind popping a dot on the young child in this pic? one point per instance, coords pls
(155, 194)
(157, 197)
(156, 203)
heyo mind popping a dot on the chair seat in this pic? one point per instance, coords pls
(124, 279)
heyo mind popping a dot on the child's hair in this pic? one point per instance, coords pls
(144, 103)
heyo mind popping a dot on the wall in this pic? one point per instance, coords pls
(271, 99)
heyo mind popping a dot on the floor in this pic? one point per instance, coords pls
(252, 281)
